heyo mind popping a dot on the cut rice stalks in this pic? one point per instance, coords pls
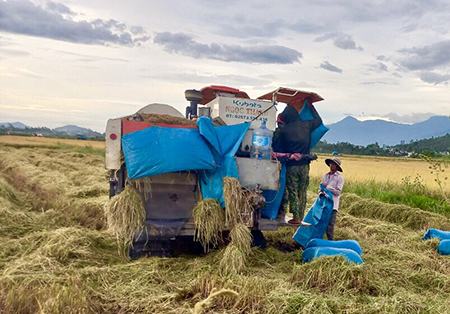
(125, 216)
(236, 254)
(238, 213)
(209, 220)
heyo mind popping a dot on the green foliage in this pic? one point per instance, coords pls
(432, 147)
(411, 192)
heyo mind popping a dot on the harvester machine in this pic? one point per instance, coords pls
(171, 196)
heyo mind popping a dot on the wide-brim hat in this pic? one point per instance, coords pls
(336, 161)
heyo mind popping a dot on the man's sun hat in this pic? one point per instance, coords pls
(336, 161)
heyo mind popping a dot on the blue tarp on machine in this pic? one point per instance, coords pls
(158, 150)
(224, 141)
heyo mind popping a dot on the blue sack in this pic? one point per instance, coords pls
(343, 244)
(274, 198)
(436, 233)
(318, 218)
(444, 247)
(313, 253)
(306, 115)
(157, 150)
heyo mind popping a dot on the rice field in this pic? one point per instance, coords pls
(48, 141)
(382, 170)
(57, 256)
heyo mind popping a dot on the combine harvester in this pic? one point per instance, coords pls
(175, 181)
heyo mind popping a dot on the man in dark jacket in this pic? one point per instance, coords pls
(291, 141)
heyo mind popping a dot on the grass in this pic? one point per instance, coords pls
(389, 192)
(57, 256)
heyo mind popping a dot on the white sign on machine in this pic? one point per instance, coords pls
(237, 110)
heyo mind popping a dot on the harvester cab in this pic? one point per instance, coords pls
(169, 196)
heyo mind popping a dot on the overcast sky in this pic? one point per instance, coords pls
(84, 61)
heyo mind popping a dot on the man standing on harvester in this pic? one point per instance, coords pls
(291, 143)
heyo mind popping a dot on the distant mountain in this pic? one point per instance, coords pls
(64, 131)
(383, 132)
(74, 130)
(13, 125)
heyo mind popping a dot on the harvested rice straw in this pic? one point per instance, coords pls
(201, 306)
(125, 215)
(209, 220)
(166, 119)
(232, 194)
(241, 237)
(143, 185)
(233, 260)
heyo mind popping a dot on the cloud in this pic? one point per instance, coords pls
(340, 40)
(184, 44)
(426, 57)
(409, 118)
(434, 78)
(55, 21)
(211, 79)
(90, 58)
(59, 8)
(378, 67)
(329, 67)
(244, 27)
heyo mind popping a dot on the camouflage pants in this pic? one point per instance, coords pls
(297, 181)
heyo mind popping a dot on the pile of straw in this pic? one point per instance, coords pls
(209, 220)
(236, 254)
(125, 215)
(237, 209)
(166, 119)
(237, 202)
(407, 216)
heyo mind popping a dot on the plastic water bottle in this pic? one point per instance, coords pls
(261, 142)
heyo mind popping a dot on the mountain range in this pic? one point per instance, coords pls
(66, 131)
(349, 130)
(384, 132)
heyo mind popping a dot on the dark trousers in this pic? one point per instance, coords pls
(330, 228)
(297, 181)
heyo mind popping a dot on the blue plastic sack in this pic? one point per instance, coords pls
(157, 150)
(343, 244)
(274, 198)
(306, 115)
(436, 233)
(313, 253)
(318, 218)
(444, 247)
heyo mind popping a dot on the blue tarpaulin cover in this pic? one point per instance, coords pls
(444, 247)
(343, 244)
(224, 141)
(436, 233)
(157, 150)
(313, 253)
(317, 219)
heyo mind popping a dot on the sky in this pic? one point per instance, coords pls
(84, 61)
